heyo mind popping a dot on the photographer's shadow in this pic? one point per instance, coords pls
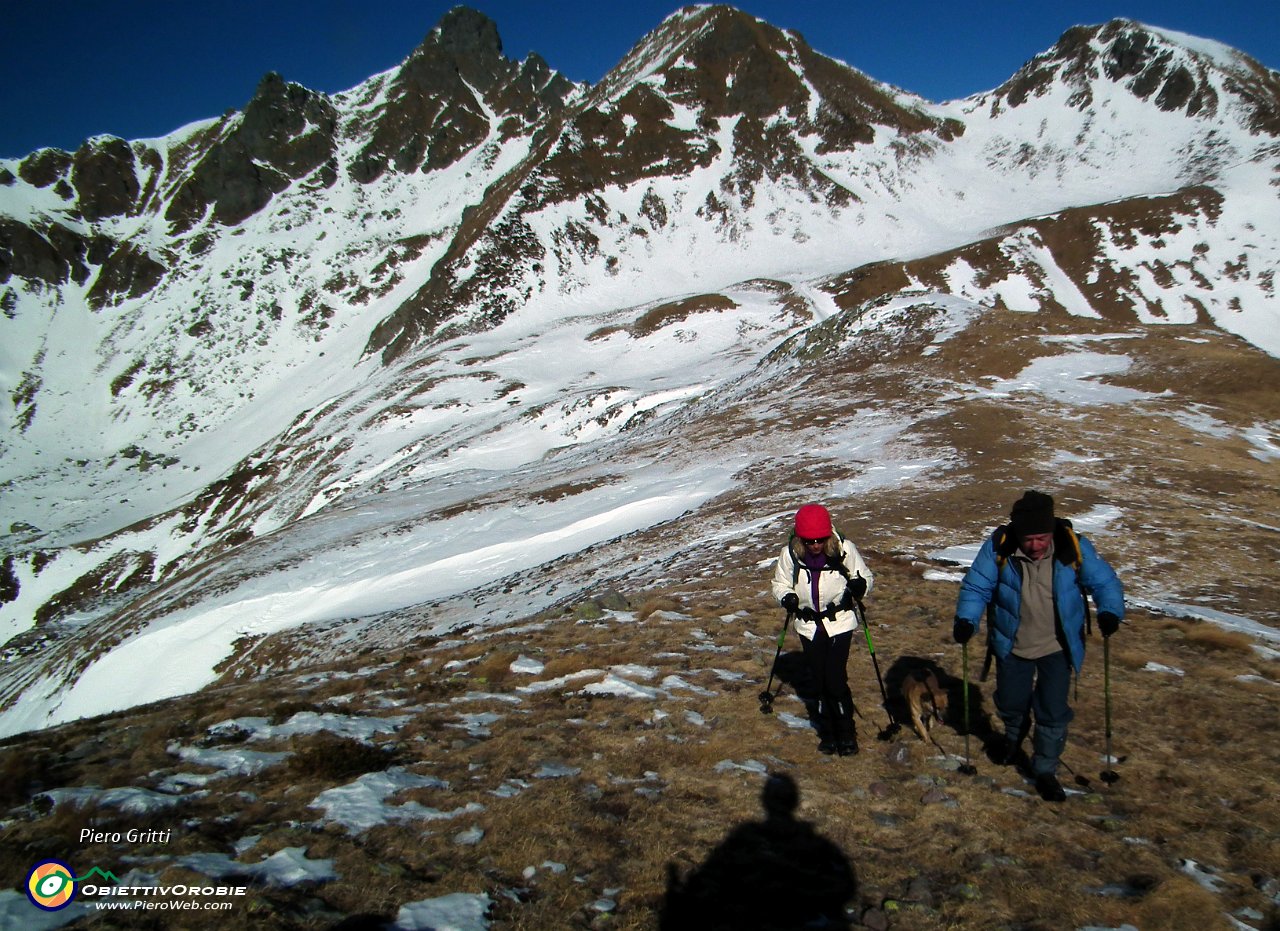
(767, 875)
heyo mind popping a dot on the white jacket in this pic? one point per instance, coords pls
(831, 584)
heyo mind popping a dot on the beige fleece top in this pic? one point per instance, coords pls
(1037, 627)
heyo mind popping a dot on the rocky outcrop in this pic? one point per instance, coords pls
(50, 253)
(104, 174)
(1173, 77)
(45, 167)
(432, 115)
(1086, 245)
(286, 133)
(127, 272)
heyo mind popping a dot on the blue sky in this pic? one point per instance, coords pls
(71, 69)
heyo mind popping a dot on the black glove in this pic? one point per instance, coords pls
(857, 587)
(791, 602)
(1108, 623)
(962, 630)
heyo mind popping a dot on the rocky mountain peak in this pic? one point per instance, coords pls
(45, 167)
(285, 133)
(715, 101)
(729, 64)
(434, 110)
(280, 112)
(466, 35)
(465, 44)
(735, 64)
(1201, 79)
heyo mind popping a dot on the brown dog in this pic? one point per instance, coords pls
(925, 698)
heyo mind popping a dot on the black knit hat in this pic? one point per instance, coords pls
(1032, 513)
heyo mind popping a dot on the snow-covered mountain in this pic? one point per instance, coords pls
(468, 339)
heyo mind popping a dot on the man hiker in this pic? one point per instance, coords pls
(1031, 578)
(818, 578)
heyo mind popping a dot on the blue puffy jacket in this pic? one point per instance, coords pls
(989, 582)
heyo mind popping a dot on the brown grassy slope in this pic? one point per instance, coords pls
(936, 848)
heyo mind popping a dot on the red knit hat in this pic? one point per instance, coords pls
(813, 522)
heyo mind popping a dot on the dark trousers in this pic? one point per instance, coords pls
(828, 659)
(1039, 688)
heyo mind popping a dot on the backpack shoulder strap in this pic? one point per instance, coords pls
(838, 560)
(795, 561)
(1003, 544)
(1070, 552)
(1067, 547)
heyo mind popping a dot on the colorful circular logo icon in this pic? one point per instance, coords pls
(51, 885)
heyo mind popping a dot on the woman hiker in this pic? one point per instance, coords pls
(818, 577)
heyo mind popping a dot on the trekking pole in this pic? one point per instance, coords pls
(893, 725)
(767, 696)
(968, 768)
(1109, 775)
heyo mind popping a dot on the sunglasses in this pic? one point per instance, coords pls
(814, 541)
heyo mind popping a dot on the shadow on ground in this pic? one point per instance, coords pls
(777, 873)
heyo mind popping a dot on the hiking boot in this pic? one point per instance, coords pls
(846, 730)
(846, 739)
(827, 744)
(1049, 788)
(1005, 752)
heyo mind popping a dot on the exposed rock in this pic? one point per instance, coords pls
(9, 587)
(431, 117)
(104, 174)
(920, 890)
(937, 796)
(27, 254)
(52, 254)
(128, 272)
(880, 789)
(44, 167)
(285, 133)
(899, 755)
(122, 573)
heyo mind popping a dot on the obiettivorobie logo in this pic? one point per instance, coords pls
(52, 885)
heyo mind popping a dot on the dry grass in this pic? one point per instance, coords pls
(641, 787)
(1216, 638)
(653, 605)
